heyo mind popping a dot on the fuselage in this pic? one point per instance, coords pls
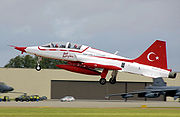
(86, 54)
(167, 90)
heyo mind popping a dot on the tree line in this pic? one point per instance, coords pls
(31, 61)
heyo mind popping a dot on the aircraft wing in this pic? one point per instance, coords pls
(149, 91)
(162, 90)
(87, 68)
(96, 65)
(130, 94)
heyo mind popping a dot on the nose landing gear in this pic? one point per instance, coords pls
(38, 66)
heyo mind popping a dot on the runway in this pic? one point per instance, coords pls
(90, 104)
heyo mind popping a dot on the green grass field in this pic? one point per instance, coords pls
(89, 112)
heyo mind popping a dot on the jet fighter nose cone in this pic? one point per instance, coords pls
(22, 49)
(11, 89)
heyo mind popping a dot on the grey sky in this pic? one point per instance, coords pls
(129, 26)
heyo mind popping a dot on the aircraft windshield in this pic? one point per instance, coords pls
(62, 45)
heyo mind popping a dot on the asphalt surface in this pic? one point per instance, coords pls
(91, 104)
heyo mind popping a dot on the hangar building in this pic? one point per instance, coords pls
(56, 83)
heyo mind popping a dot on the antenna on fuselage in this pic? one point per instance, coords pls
(116, 52)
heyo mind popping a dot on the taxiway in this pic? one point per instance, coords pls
(91, 104)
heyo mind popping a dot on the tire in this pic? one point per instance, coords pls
(102, 81)
(112, 81)
(38, 67)
(16, 100)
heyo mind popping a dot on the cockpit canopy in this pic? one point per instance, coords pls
(62, 45)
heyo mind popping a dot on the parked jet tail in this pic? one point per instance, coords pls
(155, 55)
(158, 82)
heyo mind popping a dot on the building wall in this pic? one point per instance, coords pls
(78, 89)
(94, 90)
(33, 82)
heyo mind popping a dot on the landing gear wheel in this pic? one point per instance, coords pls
(38, 67)
(112, 80)
(102, 81)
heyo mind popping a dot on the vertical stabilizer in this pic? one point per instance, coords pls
(155, 55)
(158, 82)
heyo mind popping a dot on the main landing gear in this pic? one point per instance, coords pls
(38, 66)
(102, 81)
(112, 80)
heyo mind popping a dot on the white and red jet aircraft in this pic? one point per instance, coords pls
(84, 59)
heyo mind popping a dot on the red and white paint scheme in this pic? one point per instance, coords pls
(84, 59)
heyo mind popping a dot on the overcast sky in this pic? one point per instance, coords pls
(127, 26)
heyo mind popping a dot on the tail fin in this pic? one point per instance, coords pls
(155, 55)
(158, 82)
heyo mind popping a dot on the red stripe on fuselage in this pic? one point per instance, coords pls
(62, 50)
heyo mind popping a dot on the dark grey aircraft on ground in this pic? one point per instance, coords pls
(158, 88)
(5, 88)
